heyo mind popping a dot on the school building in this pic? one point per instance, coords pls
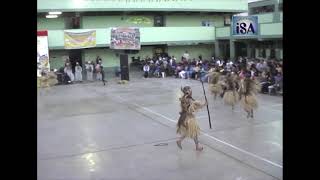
(202, 27)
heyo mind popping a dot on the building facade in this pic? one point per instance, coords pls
(201, 27)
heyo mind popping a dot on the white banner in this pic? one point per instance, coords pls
(42, 52)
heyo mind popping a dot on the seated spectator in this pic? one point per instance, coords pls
(182, 74)
(197, 72)
(277, 86)
(157, 71)
(146, 69)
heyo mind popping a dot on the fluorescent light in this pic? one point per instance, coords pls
(56, 13)
(51, 16)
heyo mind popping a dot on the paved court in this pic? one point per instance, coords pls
(121, 132)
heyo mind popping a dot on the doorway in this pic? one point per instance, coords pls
(75, 55)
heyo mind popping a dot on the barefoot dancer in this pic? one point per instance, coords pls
(214, 84)
(187, 125)
(231, 96)
(248, 89)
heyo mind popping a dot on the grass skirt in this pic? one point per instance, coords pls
(191, 128)
(249, 102)
(231, 98)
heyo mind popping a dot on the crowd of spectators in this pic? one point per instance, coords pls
(268, 72)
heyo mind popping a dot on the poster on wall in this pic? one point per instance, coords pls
(245, 25)
(79, 39)
(42, 52)
(127, 38)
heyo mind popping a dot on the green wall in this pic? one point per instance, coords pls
(145, 51)
(92, 22)
(142, 5)
(108, 56)
(271, 29)
(149, 36)
(265, 18)
(193, 20)
(51, 24)
(194, 51)
(110, 59)
(223, 32)
(89, 22)
(57, 58)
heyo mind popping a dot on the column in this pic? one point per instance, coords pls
(232, 49)
(278, 53)
(276, 14)
(217, 48)
(249, 49)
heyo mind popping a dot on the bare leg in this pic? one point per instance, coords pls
(198, 147)
(248, 114)
(179, 141)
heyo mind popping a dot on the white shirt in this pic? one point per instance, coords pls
(146, 68)
(186, 55)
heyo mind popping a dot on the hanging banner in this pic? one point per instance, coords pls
(125, 38)
(42, 52)
(78, 40)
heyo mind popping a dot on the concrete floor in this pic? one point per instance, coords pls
(119, 132)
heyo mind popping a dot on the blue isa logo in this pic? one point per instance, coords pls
(245, 25)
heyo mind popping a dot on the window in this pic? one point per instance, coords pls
(280, 7)
(262, 9)
(159, 21)
(207, 23)
(227, 20)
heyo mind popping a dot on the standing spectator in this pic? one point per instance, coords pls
(98, 60)
(279, 68)
(259, 66)
(68, 71)
(98, 71)
(89, 69)
(102, 75)
(146, 69)
(78, 72)
(186, 55)
(197, 72)
(162, 70)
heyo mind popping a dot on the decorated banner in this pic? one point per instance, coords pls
(79, 39)
(42, 52)
(125, 38)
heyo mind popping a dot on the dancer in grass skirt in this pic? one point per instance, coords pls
(187, 124)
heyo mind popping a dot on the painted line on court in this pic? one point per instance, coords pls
(214, 138)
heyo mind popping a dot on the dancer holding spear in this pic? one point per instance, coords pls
(187, 124)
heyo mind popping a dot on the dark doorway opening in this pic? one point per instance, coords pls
(240, 49)
(75, 55)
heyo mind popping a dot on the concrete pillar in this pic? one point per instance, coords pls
(249, 49)
(232, 49)
(217, 48)
(278, 50)
(276, 15)
(257, 52)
